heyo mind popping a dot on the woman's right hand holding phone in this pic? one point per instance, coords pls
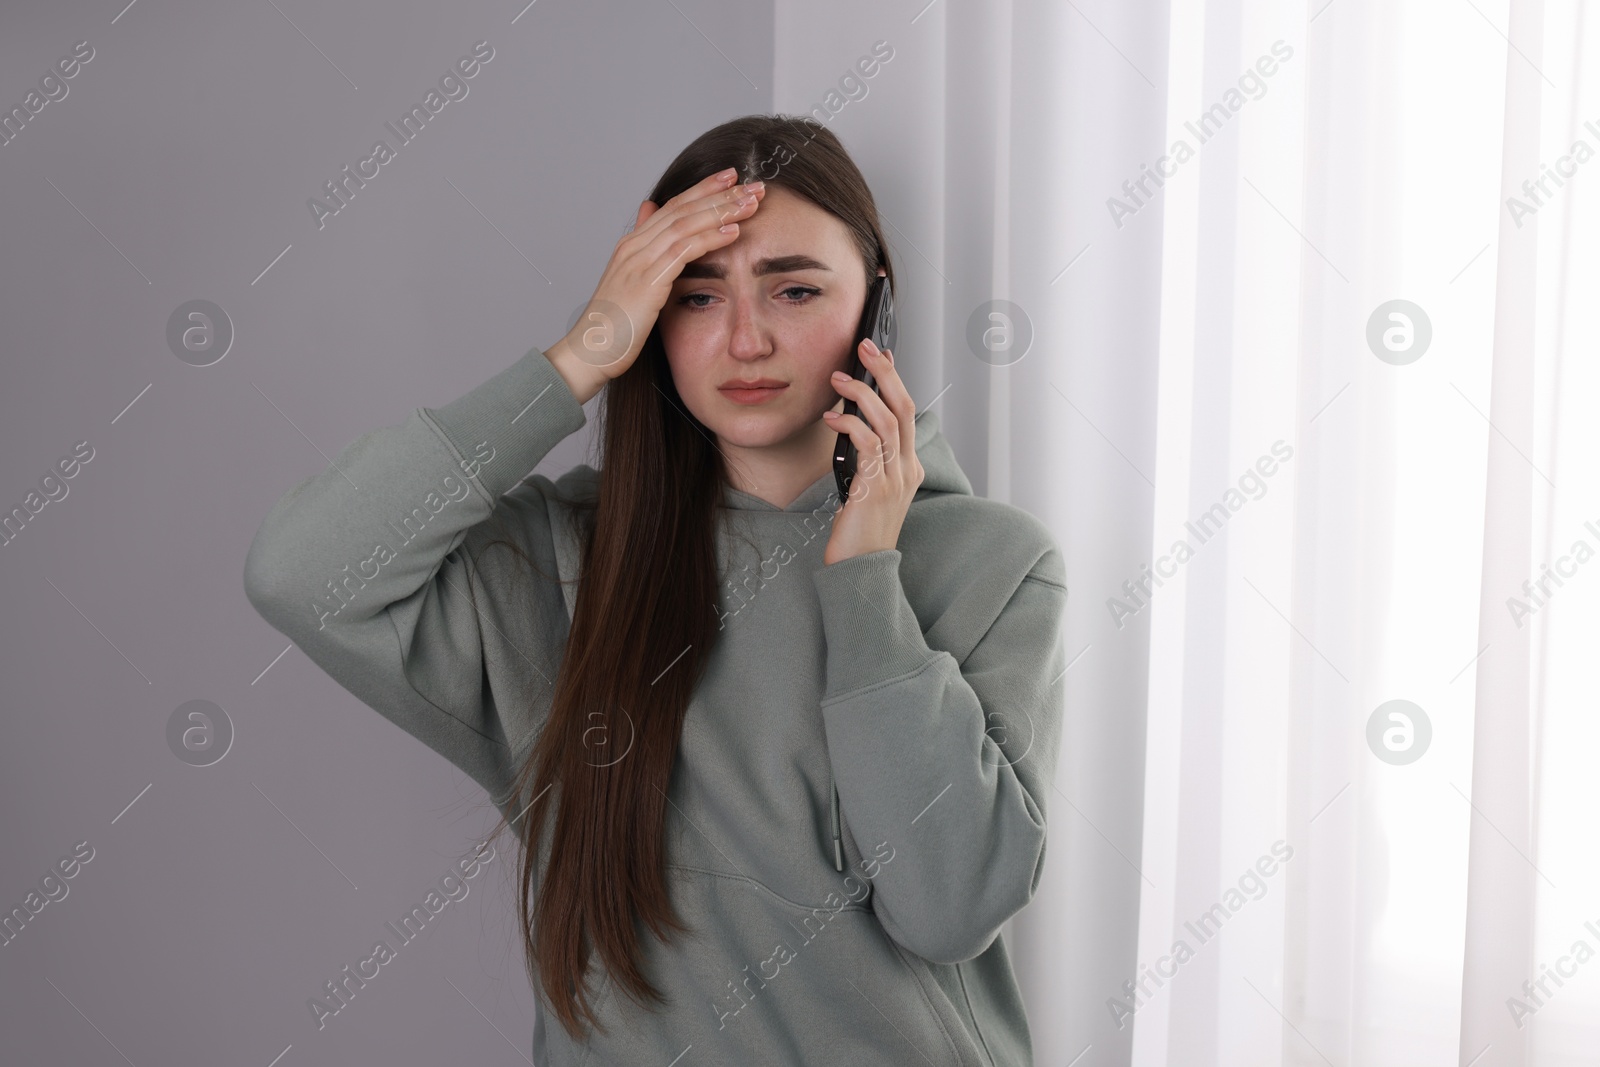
(638, 280)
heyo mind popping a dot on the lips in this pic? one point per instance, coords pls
(755, 383)
(752, 392)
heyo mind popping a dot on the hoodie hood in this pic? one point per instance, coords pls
(941, 474)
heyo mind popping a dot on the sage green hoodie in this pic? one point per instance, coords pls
(858, 801)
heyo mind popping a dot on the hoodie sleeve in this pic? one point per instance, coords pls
(361, 565)
(948, 762)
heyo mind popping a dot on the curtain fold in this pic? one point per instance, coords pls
(1502, 900)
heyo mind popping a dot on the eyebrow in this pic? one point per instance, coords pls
(770, 265)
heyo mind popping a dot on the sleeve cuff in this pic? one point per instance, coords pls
(872, 634)
(522, 412)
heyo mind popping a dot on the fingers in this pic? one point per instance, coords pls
(896, 396)
(890, 412)
(707, 186)
(689, 230)
(871, 461)
(711, 183)
(687, 226)
(717, 194)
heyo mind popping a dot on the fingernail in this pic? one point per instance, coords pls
(840, 376)
(728, 175)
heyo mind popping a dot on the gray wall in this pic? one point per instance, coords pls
(177, 168)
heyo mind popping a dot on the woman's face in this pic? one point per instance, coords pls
(780, 305)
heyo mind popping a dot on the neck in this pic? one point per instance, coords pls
(779, 473)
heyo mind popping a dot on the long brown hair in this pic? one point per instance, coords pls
(645, 617)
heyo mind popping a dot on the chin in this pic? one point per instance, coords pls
(753, 429)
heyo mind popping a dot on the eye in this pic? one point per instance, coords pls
(807, 293)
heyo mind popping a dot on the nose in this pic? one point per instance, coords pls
(749, 338)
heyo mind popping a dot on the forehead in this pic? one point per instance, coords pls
(785, 224)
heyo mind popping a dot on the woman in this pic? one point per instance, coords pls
(778, 767)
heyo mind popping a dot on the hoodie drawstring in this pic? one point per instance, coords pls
(838, 848)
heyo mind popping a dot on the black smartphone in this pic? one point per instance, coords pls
(877, 322)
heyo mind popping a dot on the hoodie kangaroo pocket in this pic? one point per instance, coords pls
(761, 979)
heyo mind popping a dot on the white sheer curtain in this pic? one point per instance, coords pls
(1216, 360)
